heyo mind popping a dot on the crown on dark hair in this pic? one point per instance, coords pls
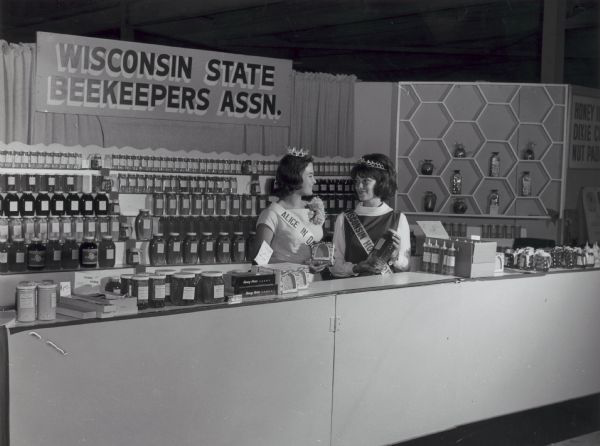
(301, 153)
(373, 164)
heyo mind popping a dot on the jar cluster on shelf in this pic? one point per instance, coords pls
(148, 183)
(40, 160)
(33, 182)
(558, 257)
(185, 286)
(54, 254)
(29, 204)
(198, 204)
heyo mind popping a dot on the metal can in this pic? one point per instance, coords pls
(26, 301)
(46, 303)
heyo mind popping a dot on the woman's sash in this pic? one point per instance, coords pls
(294, 222)
(363, 237)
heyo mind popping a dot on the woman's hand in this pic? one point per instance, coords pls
(397, 241)
(366, 267)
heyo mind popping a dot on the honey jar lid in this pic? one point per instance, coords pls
(212, 274)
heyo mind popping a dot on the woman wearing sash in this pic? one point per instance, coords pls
(357, 231)
(289, 226)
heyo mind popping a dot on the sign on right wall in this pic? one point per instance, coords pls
(584, 150)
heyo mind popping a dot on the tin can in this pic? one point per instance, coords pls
(26, 301)
(46, 303)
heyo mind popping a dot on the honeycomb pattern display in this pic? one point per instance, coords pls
(433, 118)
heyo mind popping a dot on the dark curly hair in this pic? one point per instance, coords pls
(289, 174)
(385, 186)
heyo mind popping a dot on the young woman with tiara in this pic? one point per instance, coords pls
(357, 231)
(291, 225)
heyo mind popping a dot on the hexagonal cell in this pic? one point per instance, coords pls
(482, 194)
(424, 184)
(507, 157)
(528, 207)
(530, 133)
(431, 120)
(551, 196)
(432, 92)
(531, 104)
(430, 150)
(553, 161)
(555, 123)
(497, 122)
(472, 207)
(407, 138)
(498, 93)
(557, 93)
(471, 175)
(465, 133)
(406, 175)
(539, 177)
(464, 102)
(404, 204)
(408, 101)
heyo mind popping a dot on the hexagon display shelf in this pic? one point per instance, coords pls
(433, 118)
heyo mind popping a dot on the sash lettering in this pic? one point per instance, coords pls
(363, 237)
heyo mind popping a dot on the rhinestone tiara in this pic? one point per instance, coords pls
(297, 152)
(373, 164)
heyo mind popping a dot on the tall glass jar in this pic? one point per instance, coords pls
(171, 208)
(53, 253)
(223, 252)
(42, 204)
(140, 290)
(4, 248)
(143, 225)
(247, 204)
(183, 289)
(174, 254)
(69, 258)
(238, 251)
(106, 252)
(15, 228)
(190, 249)
(89, 227)
(28, 229)
(4, 228)
(86, 204)
(72, 204)
(101, 204)
(196, 204)
(11, 205)
(27, 204)
(88, 253)
(157, 251)
(102, 227)
(57, 204)
(207, 248)
(36, 254)
(16, 255)
(234, 204)
(115, 223)
(184, 204)
(157, 287)
(158, 204)
(77, 228)
(209, 204)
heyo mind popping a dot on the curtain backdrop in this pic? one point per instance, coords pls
(17, 72)
(321, 118)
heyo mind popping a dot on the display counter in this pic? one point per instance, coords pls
(369, 360)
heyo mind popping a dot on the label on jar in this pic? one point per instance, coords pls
(20, 257)
(159, 292)
(103, 227)
(198, 204)
(225, 247)
(176, 246)
(210, 204)
(114, 226)
(11, 181)
(54, 227)
(450, 260)
(3, 257)
(44, 206)
(70, 181)
(194, 248)
(142, 293)
(241, 247)
(209, 246)
(186, 203)
(236, 204)
(434, 257)
(59, 206)
(223, 204)
(379, 244)
(29, 227)
(188, 293)
(89, 206)
(75, 254)
(32, 181)
(91, 226)
(145, 224)
(183, 183)
(110, 254)
(3, 231)
(102, 205)
(248, 204)
(17, 231)
(219, 291)
(426, 257)
(26, 298)
(66, 228)
(56, 256)
(75, 206)
(158, 203)
(167, 289)
(172, 203)
(36, 258)
(160, 248)
(14, 206)
(51, 181)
